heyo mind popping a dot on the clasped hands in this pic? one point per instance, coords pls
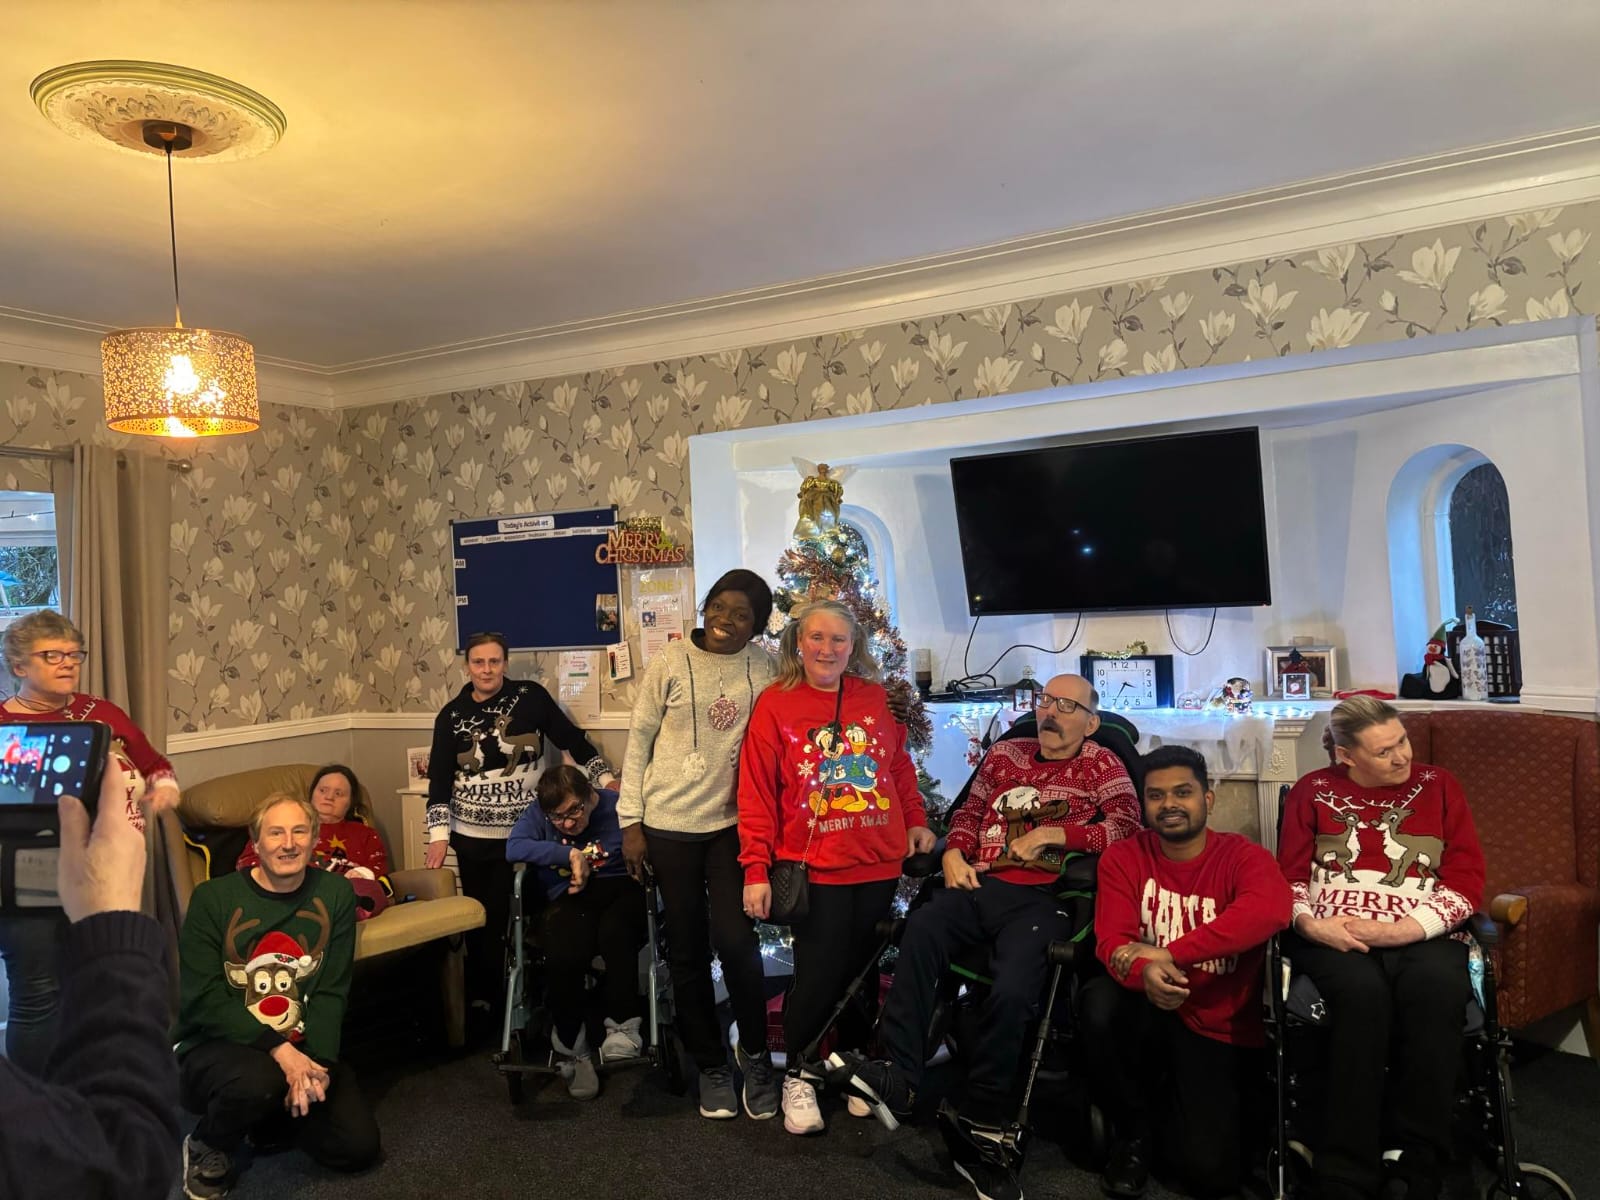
(307, 1078)
(1359, 934)
(1165, 984)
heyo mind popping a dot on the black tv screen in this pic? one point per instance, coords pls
(1163, 522)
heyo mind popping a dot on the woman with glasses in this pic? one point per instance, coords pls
(571, 836)
(45, 654)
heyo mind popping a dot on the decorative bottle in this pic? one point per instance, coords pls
(1474, 660)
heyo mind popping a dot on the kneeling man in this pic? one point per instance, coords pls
(1181, 920)
(1034, 802)
(265, 957)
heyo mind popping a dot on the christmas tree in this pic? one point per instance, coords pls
(827, 559)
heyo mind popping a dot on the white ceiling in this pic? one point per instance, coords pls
(461, 170)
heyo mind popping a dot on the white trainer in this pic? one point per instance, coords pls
(622, 1041)
(800, 1112)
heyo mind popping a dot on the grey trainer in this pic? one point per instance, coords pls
(762, 1093)
(717, 1097)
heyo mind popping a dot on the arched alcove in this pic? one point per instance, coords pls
(1425, 515)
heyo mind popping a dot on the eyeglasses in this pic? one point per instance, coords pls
(1065, 705)
(57, 657)
(568, 817)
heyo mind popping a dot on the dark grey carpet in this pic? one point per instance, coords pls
(450, 1130)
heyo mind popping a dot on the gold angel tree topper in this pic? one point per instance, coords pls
(821, 493)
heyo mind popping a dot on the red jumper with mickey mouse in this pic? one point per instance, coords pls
(825, 779)
(1385, 853)
(1017, 790)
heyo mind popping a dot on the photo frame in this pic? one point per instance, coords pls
(1319, 662)
(417, 766)
(1296, 685)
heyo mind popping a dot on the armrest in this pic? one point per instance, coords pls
(423, 883)
(1509, 908)
(1062, 953)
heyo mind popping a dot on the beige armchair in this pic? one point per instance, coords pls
(436, 914)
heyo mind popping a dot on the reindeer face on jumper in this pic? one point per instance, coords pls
(272, 974)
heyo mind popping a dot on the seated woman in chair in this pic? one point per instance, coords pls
(348, 843)
(1384, 863)
(571, 835)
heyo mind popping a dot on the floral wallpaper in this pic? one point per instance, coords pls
(309, 560)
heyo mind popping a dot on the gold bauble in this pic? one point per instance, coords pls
(837, 554)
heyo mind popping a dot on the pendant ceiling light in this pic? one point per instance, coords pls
(168, 381)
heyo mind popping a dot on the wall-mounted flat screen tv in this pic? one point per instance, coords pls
(1143, 523)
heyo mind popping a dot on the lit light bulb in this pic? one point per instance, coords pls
(180, 378)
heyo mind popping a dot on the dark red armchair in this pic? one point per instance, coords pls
(1533, 782)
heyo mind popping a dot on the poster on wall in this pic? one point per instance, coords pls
(578, 684)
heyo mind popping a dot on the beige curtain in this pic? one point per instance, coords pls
(113, 531)
(114, 523)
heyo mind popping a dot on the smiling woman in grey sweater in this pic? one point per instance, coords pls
(679, 812)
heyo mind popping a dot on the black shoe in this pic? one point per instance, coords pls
(985, 1156)
(207, 1172)
(1127, 1172)
(880, 1084)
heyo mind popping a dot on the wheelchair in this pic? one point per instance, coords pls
(525, 1046)
(1483, 1115)
(1051, 1067)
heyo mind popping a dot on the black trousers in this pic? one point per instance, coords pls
(486, 876)
(606, 918)
(1402, 1009)
(702, 890)
(1193, 1099)
(832, 945)
(237, 1089)
(1019, 923)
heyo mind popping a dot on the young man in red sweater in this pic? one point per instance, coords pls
(1182, 917)
(1033, 801)
(1384, 861)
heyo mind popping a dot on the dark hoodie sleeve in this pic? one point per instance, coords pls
(103, 1122)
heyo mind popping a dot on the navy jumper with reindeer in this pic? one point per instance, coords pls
(259, 968)
(485, 758)
(1409, 850)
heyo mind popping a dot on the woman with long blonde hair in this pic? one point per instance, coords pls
(825, 782)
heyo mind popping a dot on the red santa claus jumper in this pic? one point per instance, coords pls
(1213, 913)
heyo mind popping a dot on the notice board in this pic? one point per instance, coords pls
(536, 579)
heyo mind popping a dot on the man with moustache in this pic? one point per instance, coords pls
(1182, 917)
(1034, 802)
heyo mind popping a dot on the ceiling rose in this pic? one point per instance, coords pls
(112, 99)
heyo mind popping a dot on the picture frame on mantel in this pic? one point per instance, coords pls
(1318, 661)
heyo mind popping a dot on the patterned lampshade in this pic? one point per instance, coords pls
(169, 381)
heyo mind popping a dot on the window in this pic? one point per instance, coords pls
(30, 577)
(1479, 524)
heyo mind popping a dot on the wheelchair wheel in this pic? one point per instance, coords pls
(514, 1057)
(670, 1054)
(1099, 1135)
(1538, 1183)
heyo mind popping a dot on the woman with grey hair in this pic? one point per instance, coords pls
(825, 782)
(44, 652)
